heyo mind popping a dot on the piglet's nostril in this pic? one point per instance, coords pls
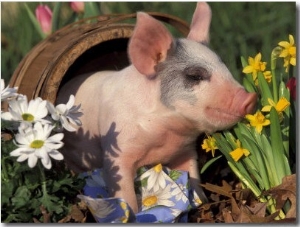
(244, 102)
(249, 104)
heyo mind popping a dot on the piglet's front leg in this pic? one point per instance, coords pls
(189, 163)
(119, 177)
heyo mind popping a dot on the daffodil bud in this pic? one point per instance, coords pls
(274, 55)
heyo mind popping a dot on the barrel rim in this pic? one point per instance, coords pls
(42, 84)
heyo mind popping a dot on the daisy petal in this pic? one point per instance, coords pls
(46, 163)
(32, 160)
(56, 155)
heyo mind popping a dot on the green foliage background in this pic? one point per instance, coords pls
(237, 29)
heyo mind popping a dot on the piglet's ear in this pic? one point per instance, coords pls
(149, 44)
(200, 23)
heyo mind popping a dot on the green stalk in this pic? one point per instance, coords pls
(249, 185)
(271, 205)
(277, 146)
(249, 142)
(55, 16)
(264, 89)
(283, 92)
(44, 186)
(35, 22)
(274, 55)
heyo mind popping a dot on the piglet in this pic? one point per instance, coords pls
(153, 110)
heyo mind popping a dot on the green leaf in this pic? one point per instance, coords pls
(264, 89)
(258, 161)
(250, 87)
(174, 174)
(266, 149)
(284, 92)
(56, 16)
(21, 197)
(7, 191)
(246, 180)
(253, 171)
(73, 18)
(277, 145)
(261, 164)
(225, 147)
(91, 9)
(143, 182)
(243, 133)
(51, 203)
(231, 139)
(244, 62)
(207, 164)
(35, 22)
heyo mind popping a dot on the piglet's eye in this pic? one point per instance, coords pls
(197, 74)
(194, 77)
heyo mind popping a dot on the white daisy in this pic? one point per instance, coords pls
(178, 192)
(156, 178)
(175, 212)
(67, 114)
(22, 111)
(196, 200)
(34, 142)
(98, 207)
(7, 93)
(150, 198)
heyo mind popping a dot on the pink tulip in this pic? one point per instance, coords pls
(44, 16)
(78, 7)
(291, 85)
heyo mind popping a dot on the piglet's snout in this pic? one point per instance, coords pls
(246, 102)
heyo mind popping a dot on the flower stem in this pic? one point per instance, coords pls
(250, 185)
(271, 205)
(274, 55)
(44, 186)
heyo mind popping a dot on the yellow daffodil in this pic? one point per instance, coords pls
(239, 152)
(267, 76)
(280, 106)
(288, 52)
(255, 66)
(257, 120)
(209, 144)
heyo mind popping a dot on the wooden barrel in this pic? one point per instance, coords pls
(92, 44)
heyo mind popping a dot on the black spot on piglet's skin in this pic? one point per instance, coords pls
(195, 75)
(180, 73)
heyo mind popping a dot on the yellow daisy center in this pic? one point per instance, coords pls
(27, 117)
(123, 205)
(37, 144)
(158, 168)
(150, 201)
(198, 200)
